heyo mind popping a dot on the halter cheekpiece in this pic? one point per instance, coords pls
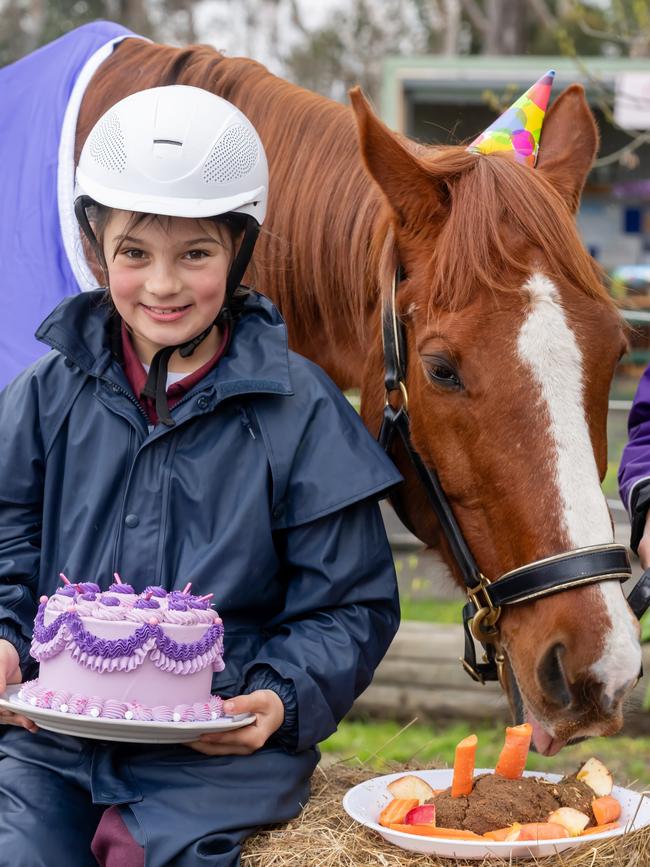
(486, 598)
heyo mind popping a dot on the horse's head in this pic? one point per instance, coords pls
(512, 343)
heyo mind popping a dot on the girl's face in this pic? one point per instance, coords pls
(167, 277)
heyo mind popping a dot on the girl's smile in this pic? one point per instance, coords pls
(166, 314)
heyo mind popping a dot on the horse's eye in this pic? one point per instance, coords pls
(442, 372)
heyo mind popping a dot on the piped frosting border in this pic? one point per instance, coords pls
(125, 654)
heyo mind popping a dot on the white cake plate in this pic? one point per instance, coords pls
(128, 731)
(365, 802)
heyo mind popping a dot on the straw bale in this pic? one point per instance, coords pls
(324, 836)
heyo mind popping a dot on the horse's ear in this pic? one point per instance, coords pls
(568, 144)
(403, 179)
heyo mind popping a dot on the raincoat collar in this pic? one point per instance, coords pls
(257, 359)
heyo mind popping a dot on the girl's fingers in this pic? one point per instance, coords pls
(14, 719)
(248, 739)
(253, 739)
(219, 750)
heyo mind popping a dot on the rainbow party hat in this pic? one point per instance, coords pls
(519, 128)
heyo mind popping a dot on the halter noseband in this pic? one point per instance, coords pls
(486, 598)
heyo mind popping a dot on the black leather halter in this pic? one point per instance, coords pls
(487, 598)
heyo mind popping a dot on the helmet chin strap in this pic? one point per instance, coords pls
(156, 384)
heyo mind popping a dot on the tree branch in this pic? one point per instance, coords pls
(476, 15)
(543, 13)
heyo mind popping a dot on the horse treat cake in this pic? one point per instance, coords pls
(119, 654)
(504, 806)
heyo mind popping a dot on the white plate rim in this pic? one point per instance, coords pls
(499, 846)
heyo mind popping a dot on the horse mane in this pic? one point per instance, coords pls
(487, 237)
(322, 263)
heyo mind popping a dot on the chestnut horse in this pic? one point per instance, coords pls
(511, 338)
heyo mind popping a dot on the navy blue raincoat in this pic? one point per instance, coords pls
(263, 493)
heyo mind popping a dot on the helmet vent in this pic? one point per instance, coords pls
(232, 157)
(107, 145)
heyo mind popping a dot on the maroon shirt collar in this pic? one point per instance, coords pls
(137, 375)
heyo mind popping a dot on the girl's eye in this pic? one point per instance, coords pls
(197, 254)
(133, 253)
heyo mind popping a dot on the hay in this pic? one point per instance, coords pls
(325, 836)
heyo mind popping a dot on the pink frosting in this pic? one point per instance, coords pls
(126, 609)
(71, 703)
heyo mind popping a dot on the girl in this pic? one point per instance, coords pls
(171, 435)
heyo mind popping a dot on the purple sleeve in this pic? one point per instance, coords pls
(635, 460)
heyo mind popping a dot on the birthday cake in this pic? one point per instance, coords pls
(119, 654)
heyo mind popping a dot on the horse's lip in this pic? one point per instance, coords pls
(544, 742)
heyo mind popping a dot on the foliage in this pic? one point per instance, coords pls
(27, 24)
(348, 45)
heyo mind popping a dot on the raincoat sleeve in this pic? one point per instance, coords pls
(341, 613)
(22, 464)
(634, 469)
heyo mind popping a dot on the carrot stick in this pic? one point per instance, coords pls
(464, 761)
(606, 809)
(431, 831)
(542, 831)
(512, 760)
(598, 829)
(396, 810)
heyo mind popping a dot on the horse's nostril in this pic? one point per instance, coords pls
(552, 678)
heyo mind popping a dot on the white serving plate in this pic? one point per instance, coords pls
(365, 802)
(128, 731)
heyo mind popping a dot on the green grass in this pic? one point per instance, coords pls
(432, 610)
(378, 743)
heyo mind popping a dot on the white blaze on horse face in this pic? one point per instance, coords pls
(548, 346)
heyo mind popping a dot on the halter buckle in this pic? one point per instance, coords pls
(484, 623)
(405, 396)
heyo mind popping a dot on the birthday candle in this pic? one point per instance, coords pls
(187, 587)
(63, 578)
(118, 580)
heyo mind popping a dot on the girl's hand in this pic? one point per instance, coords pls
(268, 707)
(10, 673)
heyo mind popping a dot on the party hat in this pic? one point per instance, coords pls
(519, 128)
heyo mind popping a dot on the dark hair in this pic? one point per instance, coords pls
(232, 225)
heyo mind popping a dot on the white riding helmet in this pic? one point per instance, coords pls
(179, 151)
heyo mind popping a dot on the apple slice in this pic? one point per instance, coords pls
(411, 787)
(573, 820)
(596, 776)
(505, 835)
(422, 815)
